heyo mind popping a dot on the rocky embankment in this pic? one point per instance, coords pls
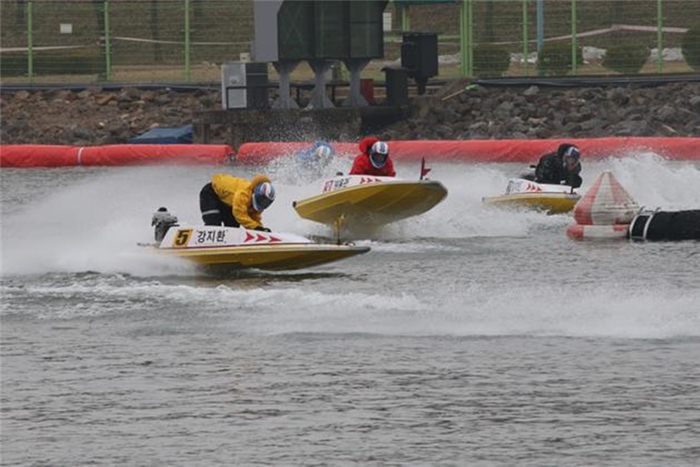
(536, 112)
(95, 116)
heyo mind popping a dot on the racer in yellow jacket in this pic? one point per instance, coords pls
(234, 202)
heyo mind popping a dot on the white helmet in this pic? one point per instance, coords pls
(378, 154)
(323, 152)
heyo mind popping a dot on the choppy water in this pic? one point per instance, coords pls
(467, 336)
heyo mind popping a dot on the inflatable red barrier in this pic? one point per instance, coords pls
(114, 155)
(37, 156)
(263, 152)
(492, 150)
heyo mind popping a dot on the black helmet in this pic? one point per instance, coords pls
(573, 152)
(571, 158)
(568, 149)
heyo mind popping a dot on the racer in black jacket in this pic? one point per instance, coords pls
(561, 167)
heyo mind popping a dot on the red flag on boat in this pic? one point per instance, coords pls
(423, 169)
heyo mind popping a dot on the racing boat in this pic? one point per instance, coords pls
(522, 193)
(370, 200)
(240, 248)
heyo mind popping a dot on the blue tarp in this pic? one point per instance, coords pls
(179, 135)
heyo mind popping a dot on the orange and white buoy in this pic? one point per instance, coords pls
(597, 232)
(604, 212)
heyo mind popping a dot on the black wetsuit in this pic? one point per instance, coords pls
(215, 211)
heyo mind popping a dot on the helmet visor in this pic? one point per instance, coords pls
(262, 202)
(378, 159)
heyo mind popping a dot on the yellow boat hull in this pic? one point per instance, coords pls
(552, 203)
(233, 248)
(268, 257)
(373, 204)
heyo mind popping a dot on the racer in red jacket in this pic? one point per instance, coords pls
(374, 159)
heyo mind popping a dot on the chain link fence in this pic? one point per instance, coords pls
(186, 41)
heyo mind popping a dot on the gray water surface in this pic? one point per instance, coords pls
(467, 336)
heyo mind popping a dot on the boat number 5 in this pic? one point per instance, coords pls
(182, 237)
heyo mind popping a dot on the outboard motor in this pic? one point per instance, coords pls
(162, 220)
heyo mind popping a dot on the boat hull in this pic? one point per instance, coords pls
(376, 202)
(526, 194)
(237, 248)
(270, 258)
(553, 203)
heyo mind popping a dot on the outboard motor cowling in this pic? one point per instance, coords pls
(162, 220)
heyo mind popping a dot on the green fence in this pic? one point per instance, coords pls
(173, 41)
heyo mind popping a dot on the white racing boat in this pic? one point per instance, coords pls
(240, 248)
(370, 200)
(521, 193)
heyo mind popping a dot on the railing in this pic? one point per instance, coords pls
(185, 41)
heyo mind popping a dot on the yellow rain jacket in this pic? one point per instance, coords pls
(238, 193)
